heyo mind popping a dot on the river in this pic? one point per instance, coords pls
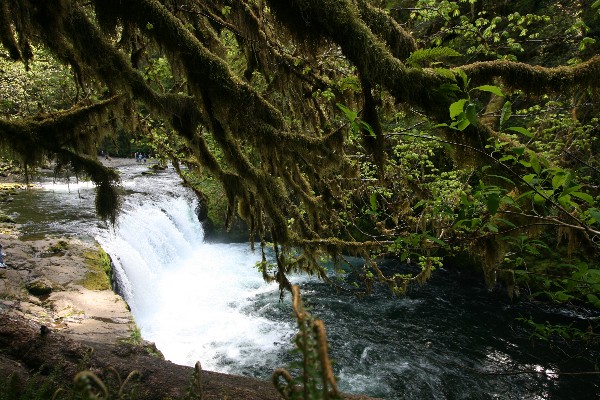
(449, 339)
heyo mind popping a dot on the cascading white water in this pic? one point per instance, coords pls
(195, 300)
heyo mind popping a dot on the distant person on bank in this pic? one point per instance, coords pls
(2, 254)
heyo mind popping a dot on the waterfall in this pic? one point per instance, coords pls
(195, 300)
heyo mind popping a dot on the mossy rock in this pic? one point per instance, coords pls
(58, 248)
(39, 287)
(6, 218)
(96, 280)
(99, 273)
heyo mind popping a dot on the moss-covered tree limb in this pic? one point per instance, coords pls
(70, 137)
(534, 79)
(256, 105)
(341, 22)
(79, 128)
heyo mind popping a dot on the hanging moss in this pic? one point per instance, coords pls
(7, 36)
(277, 148)
(64, 136)
(107, 202)
(400, 42)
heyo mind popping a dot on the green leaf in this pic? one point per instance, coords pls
(457, 108)
(464, 199)
(529, 178)
(507, 158)
(522, 131)
(368, 128)
(373, 201)
(462, 124)
(596, 4)
(460, 223)
(585, 42)
(538, 199)
(464, 78)
(445, 73)
(575, 205)
(490, 88)
(471, 113)
(519, 150)
(508, 200)
(535, 162)
(505, 113)
(506, 222)
(449, 87)
(492, 227)
(493, 202)
(593, 299)
(565, 200)
(505, 179)
(436, 240)
(571, 189)
(595, 214)
(585, 197)
(351, 115)
(419, 204)
(524, 163)
(559, 179)
(432, 54)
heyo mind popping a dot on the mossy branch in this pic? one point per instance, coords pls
(535, 79)
(342, 23)
(34, 137)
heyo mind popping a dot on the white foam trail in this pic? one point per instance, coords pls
(68, 187)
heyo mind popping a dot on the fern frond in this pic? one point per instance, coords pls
(419, 57)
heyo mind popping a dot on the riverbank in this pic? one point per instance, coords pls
(52, 325)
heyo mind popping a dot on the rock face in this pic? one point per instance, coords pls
(39, 287)
(47, 287)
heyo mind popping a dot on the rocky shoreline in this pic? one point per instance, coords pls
(55, 316)
(45, 282)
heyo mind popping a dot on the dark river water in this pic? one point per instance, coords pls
(449, 339)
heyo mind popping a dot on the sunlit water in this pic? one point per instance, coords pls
(449, 339)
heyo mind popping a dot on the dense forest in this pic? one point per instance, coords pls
(444, 133)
